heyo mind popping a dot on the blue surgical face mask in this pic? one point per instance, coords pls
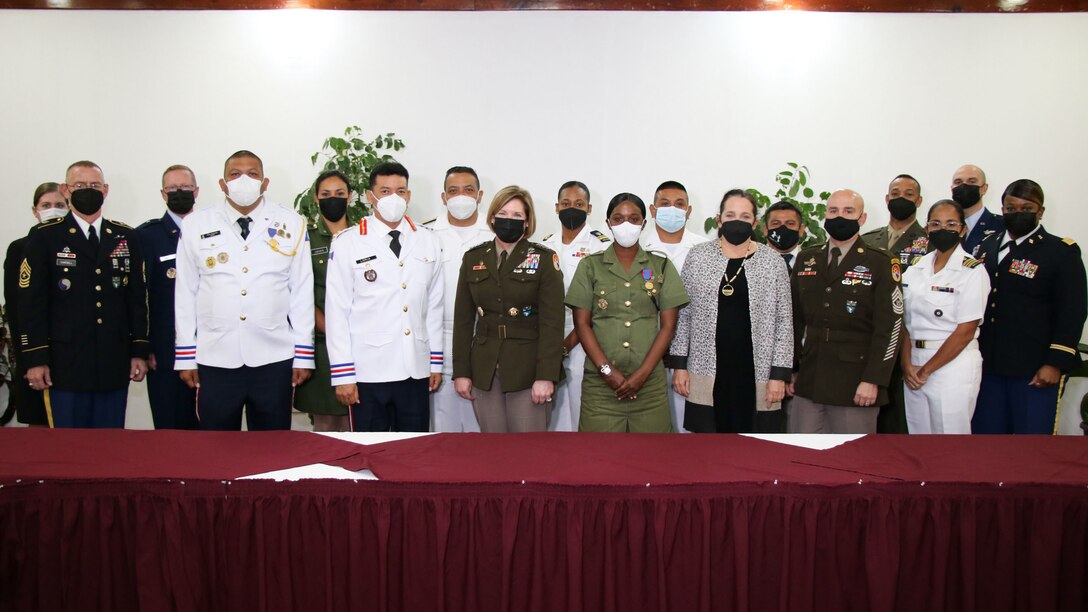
(670, 218)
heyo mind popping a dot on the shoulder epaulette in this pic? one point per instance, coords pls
(1069, 241)
(119, 224)
(970, 262)
(482, 244)
(600, 235)
(542, 247)
(50, 222)
(548, 237)
(429, 221)
(914, 260)
(871, 232)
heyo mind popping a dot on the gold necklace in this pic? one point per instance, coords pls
(727, 289)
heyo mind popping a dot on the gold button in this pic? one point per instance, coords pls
(243, 291)
(626, 344)
(826, 305)
(98, 270)
(245, 248)
(828, 289)
(404, 285)
(402, 264)
(98, 287)
(602, 291)
(627, 303)
(627, 284)
(405, 309)
(243, 317)
(98, 304)
(321, 261)
(100, 321)
(407, 332)
(627, 324)
(245, 270)
(993, 305)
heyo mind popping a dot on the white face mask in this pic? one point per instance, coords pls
(626, 233)
(244, 190)
(461, 207)
(52, 213)
(392, 208)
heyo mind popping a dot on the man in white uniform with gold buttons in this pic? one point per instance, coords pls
(459, 229)
(383, 312)
(576, 240)
(244, 304)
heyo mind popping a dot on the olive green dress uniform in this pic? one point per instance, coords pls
(625, 320)
(316, 395)
(850, 320)
(911, 246)
(517, 314)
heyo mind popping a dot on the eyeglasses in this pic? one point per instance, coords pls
(952, 225)
(173, 188)
(78, 186)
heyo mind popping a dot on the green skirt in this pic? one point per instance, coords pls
(601, 411)
(316, 395)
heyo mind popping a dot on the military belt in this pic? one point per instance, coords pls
(491, 329)
(827, 334)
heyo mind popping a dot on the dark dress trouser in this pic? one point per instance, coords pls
(263, 391)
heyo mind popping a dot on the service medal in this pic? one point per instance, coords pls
(222, 257)
(370, 275)
(210, 262)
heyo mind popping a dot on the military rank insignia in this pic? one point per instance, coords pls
(600, 236)
(24, 274)
(1023, 267)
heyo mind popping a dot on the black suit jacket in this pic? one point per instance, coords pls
(82, 313)
(1037, 305)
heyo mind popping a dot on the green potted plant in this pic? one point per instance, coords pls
(355, 156)
(793, 186)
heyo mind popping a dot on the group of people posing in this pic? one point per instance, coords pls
(966, 321)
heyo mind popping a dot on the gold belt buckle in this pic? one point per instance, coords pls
(920, 344)
(502, 331)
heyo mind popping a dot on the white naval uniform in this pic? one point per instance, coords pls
(568, 402)
(383, 313)
(678, 254)
(244, 302)
(934, 305)
(451, 412)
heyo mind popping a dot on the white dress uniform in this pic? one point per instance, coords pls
(383, 313)
(244, 302)
(568, 400)
(934, 305)
(450, 411)
(678, 254)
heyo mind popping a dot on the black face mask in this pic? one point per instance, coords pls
(333, 209)
(508, 230)
(180, 202)
(87, 201)
(841, 228)
(944, 239)
(735, 232)
(572, 218)
(901, 208)
(1020, 224)
(966, 195)
(783, 238)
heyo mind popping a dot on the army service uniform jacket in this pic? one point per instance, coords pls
(244, 302)
(383, 312)
(509, 318)
(846, 323)
(913, 244)
(1037, 303)
(82, 313)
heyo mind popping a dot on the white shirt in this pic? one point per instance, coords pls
(83, 225)
(244, 302)
(677, 252)
(972, 220)
(587, 242)
(454, 241)
(383, 313)
(1003, 250)
(936, 303)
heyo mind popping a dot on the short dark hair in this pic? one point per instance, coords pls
(625, 197)
(83, 163)
(461, 170)
(389, 168)
(907, 176)
(739, 193)
(1025, 189)
(243, 154)
(952, 203)
(669, 185)
(783, 205)
(179, 167)
(568, 185)
(328, 174)
(43, 189)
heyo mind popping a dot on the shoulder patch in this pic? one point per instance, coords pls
(600, 235)
(1069, 241)
(119, 224)
(897, 275)
(970, 262)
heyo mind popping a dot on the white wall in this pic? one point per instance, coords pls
(621, 101)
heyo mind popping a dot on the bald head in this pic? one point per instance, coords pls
(847, 198)
(849, 205)
(970, 174)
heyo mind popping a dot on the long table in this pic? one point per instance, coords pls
(161, 520)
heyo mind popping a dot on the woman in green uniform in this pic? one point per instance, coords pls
(332, 193)
(626, 303)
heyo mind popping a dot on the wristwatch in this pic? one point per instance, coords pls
(606, 369)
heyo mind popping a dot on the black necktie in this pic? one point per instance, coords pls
(502, 259)
(394, 244)
(92, 237)
(789, 259)
(835, 254)
(243, 222)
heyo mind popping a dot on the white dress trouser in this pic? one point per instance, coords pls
(568, 402)
(946, 403)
